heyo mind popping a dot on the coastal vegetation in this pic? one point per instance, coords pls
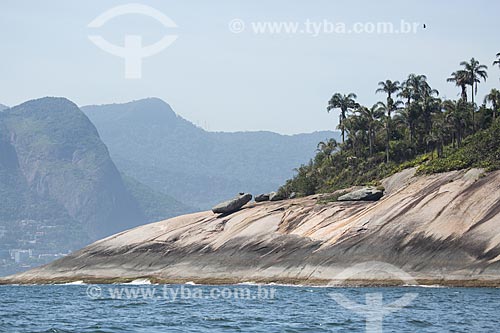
(412, 127)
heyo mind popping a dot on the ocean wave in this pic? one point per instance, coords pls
(426, 286)
(249, 283)
(139, 282)
(74, 283)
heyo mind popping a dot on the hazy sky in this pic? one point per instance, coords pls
(245, 81)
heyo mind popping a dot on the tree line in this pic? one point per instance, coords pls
(411, 126)
(413, 119)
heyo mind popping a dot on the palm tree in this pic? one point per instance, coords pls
(328, 147)
(429, 104)
(475, 72)
(405, 93)
(415, 84)
(371, 117)
(389, 87)
(420, 87)
(345, 103)
(356, 130)
(497, 62)
(420, 104)
(403, 119)
(405, 114)
(386, 111)
(460, 78)
(436, 137)
(494, 98)
(456, 116)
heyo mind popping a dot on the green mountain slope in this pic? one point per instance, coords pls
(54, 167)
(148, 141)
(480, 150)
(155, 205)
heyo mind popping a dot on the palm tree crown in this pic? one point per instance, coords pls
(345, 103)
(389, 87)
(475, 72)
(497, 62)
(494, 98)
(371, 117)
(460, 78)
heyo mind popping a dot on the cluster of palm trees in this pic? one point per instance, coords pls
(413, 119)
(410, 121)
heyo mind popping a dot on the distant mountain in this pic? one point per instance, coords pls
(3, 107)
(155, 205)
(148, 141)
(55, 168)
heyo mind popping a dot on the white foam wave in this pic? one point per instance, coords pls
(139, 282)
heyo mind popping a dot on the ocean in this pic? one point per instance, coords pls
(142, 307)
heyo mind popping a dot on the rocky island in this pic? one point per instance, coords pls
(440, 229)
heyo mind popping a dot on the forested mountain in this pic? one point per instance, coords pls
(55, 169)
(150, 142)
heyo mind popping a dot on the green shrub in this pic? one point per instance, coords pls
(481, 150)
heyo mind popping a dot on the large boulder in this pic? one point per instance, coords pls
(273, 196)
(363, 194)
(233, 205)
(262, 197)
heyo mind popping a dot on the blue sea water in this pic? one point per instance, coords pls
(106, 309)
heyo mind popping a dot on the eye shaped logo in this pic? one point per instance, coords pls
(132, 51)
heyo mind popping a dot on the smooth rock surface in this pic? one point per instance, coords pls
(440, 229)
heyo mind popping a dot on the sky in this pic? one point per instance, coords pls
(233, 80)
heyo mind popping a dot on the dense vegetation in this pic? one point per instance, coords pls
(412, 127)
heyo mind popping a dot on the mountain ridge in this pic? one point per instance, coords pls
(152, 143)
(54, 166)
(61, 157)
